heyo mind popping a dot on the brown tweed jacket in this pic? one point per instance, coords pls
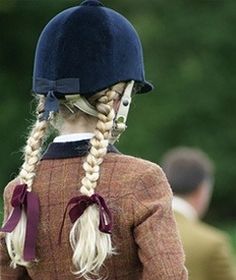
(144, 234)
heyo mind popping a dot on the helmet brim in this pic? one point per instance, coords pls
(145, 87)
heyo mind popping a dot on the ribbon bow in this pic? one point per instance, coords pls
(69, 85)
(81, 203)
(48, 87)
(30, 201)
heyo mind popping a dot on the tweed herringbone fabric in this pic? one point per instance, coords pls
(144, 233)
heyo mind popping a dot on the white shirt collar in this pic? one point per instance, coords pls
(183, 207)
(73, 137)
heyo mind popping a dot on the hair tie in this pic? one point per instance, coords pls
(81, 203)
(21, 198)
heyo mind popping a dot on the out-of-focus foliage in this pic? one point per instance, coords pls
(189, 51)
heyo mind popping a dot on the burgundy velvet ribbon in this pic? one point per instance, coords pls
(30, 201)
(81, 203)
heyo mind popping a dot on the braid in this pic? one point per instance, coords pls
(32, 149)
(16, 239)
(98, 143)
(91, 246)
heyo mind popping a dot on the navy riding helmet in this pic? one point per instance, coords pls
(85, 49)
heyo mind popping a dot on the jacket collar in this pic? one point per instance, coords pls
(73, 137)
(71, 149)
(184, 208)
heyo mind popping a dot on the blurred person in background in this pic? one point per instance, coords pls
(191, 176)
(120, 225)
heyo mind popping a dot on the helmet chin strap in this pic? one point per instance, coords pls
(119, 125)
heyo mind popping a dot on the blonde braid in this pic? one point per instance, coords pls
(32, 153)
(16, 239)
(91, 246)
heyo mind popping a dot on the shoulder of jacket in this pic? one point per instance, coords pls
(211, 233)
(138, 165)
(8, 190)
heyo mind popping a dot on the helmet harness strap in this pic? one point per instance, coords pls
(82, 104)
(119, 124)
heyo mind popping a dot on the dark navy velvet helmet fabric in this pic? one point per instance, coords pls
(90, 47)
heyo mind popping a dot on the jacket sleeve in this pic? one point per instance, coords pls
(159, 248)
(7, 272)
(222, 264)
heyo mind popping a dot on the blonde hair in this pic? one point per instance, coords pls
(90, 246)
(15, 240)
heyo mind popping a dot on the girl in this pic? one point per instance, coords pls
(120, 225)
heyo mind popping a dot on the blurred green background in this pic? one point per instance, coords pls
(190, 56)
